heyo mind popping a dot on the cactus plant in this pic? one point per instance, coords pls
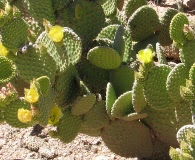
(63, 64)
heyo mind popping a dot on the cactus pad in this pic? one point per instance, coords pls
(104, 57)
(110, 98)
(192, 73)
(176, 28)
(166, 122)
(187, 53)
(7, 69)
(68, 127)
(41, 10)
(138, 99)
(66, 86)
(83, 104)
(132, 6)
(34, 64)
(97, 116)
(122, 74)
(12, 112)
(143, 23)
(176, 78)
(156, 95)
(182, 133)
(18, 37)
(165, 20)
(90, 21)
(123, 105)
(121, 138)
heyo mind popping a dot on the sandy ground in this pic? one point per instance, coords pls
(19, 144)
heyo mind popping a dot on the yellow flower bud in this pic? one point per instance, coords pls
(3, 50)
(24, 115)
(145, 55)
(31, 95)
(56, 33)
(55, 115)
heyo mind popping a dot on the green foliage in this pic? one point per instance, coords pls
(96, 67)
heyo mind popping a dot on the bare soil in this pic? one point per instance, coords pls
(18, 144)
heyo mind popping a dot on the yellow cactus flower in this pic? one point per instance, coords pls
(145, 55)
(31, 95)
(55, 115)
(24, 115)
(3, 50)
(56, 33)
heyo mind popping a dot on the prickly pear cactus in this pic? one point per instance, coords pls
(96, 67)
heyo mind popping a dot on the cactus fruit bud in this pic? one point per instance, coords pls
(56, 33)
(24, 115)
(55, 115)
(3, 50)
(145, 56)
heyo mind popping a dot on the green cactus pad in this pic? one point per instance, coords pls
(83, 104)
(132, 6)
(176, 27)
(96, 78)
(72, 46)
(89, 24)
(119, 43)
(41, 10)
(187, 53)
(68, 127)
(34, 64)
(44, 106)
(66, 86)
(128, 54)
(97, 116)
(122, 74)
(123, 105)
(128, 139)
(143, 23)
(138, 99)
(176, 78)
(187, 93)
(160, 54)
(108, 32)
(7, 69)
(192, 74)
(11, 114)
(110, 98)
(155, 88)
(14, 34)
(182, 134)
(166, 122)
(109, 7)
(55, 52)
(43, 84)
(104, 57)
(165, 20)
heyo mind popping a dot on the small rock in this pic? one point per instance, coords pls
(47, 152)
(94, 149)
(101, 158)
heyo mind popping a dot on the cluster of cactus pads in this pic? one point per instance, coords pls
(96, 67)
